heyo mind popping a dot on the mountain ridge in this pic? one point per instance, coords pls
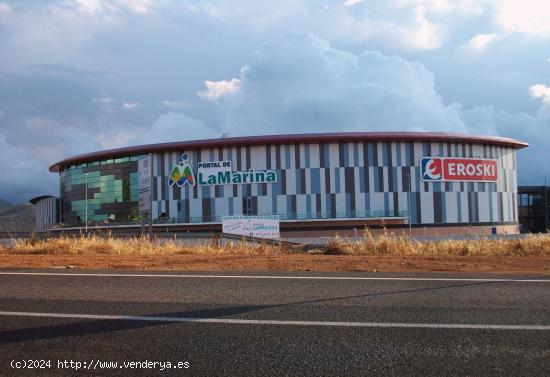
(19, 217)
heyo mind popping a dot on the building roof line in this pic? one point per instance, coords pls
(39, 198)
(289, 139)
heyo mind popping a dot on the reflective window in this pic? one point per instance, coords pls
(111, 185)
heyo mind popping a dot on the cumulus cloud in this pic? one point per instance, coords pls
(217, 89)
(426, 35)
(92, 74)
(533, 129)
(541, 91)
(527, 16)
(63, 26)
(303, 84)
(172, 127)
(416, 28)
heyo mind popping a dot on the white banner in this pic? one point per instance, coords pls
(144, 173)
(252, 226)
(144, 201)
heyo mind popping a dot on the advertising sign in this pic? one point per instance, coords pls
(252, 226)
(144, 201)
(144, 173)
(144, 183)
(436, 169)
(211, 173)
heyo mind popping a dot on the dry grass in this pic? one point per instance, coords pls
(93, 245)
(386, 244)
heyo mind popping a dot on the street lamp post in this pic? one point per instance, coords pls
(86, 225)
(409, 202)
(546, 207)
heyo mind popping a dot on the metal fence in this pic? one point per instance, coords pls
(284, 217)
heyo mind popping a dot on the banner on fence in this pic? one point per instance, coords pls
(252, 226)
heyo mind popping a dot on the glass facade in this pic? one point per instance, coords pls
(112, 187)
(534, 208)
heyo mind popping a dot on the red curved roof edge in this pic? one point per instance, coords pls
(289, 139)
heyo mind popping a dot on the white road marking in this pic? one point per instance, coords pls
(277, 322)
(495, 280)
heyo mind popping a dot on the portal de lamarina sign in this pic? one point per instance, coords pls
(216, 173)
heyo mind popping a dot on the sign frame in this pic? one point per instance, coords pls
(444, 177)
(267, 226)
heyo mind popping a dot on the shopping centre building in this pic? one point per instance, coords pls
(316, 184)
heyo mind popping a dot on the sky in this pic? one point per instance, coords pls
(83, 75)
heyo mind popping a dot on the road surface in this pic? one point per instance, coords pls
(68, 322)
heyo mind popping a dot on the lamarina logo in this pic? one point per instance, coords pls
(182, 174)
(458, 169)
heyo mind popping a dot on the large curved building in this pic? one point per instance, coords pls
(316, 183)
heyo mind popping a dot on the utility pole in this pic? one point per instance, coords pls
(86, 225)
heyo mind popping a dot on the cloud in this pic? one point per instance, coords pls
(106, 102)
(172, 127)
(4, 8)
(304, 85)
(63, 26)
(480, 42)
(96, 7)
(138, 6)
(129, 105)
(399, 25)
(60, 55)
(110, 104)
(23, 176)
(176, 104)
(217, 89)
(427, 35)
(529, 17)
(465, 7)
(533, 161)
(541, 91)
(350, 3)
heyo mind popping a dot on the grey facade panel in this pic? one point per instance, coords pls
(344, 177)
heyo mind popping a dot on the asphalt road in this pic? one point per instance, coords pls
(336, 325)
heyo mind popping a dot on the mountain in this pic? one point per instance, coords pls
(16, 217)
(3, 203)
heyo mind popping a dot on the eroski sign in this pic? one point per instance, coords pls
(435, 169)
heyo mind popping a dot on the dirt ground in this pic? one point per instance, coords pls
(286, 262)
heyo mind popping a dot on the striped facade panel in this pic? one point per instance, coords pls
(341, 180)
(46, 211)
